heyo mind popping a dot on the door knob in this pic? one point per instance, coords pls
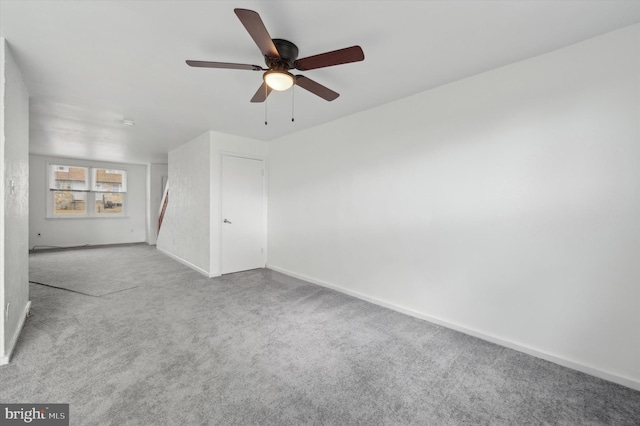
(226, 221)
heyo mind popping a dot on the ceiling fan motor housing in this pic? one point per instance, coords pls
(288, 55)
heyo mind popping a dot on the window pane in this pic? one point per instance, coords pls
(69, 202)
(69, 178)
(109, 180)
(109, 203)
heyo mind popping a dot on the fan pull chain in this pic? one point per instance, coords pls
(292, 102)
(266, 100)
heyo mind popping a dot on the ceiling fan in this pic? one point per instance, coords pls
(281, 56)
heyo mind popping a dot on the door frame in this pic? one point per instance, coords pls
(265, 195)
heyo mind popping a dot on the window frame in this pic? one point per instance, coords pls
(92, 196)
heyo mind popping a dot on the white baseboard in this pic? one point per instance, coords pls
(592, 371)
(321, 283)
(185, 262)
(4, 359)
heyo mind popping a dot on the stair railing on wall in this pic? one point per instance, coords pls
(163, 206)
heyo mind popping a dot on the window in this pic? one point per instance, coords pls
(109, 180)
(69, 203)
(69, 178)
(71, 194)
(110, 185)
(108, 203)
(74, 182)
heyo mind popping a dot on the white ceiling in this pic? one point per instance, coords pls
(89, 64)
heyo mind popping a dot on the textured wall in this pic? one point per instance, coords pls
(505, 204)
(185, 232)
(15, 208)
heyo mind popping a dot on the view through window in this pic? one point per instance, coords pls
(111, 184)
(72, 195)
(74, 183)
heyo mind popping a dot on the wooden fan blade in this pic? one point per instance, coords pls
(258, 32)
(227, 65)
(328, 59)
(316, 88)
(262, 93)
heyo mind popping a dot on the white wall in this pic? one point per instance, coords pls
(14, 202)
(506, 205)
(191, 229)
(69, 232)
(155, 174)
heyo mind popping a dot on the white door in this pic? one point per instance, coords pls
(242, 214)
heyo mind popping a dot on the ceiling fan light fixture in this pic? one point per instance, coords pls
(278, 80)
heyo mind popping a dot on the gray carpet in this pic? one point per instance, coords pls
(89, 271)
(262, 348)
